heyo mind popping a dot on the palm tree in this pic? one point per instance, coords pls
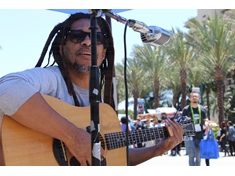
(121, 95)
(172, 82)
(181, 55)
(214, 40)
(136, 80)
(153, 61)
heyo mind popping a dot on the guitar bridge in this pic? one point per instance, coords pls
(59, 152)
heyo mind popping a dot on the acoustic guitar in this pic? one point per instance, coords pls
(21, 146)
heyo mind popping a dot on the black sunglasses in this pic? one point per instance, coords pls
(77, 36)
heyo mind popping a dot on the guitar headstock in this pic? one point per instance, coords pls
(187, 125)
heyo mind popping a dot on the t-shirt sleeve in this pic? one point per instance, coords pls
(185, 111)
(204, 114)
(17, 88)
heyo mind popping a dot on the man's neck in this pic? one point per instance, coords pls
(80, 79)
(194, 105)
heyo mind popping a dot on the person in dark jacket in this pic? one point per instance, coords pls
(197, 113)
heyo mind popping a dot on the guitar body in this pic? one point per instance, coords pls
(21, 146)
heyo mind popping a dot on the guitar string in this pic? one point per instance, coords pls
(114, 141)
(119, 141)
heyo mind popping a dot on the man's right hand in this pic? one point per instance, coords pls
(80, 146)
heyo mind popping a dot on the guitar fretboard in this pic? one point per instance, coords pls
(118, 139)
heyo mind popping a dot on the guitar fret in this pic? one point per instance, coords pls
(159, 135)
(138, 139)
(118, 140)
(145, 132)
(152, 135)
(114, 140)
(140, 136)
(107, 136)
(135, 138)
(129, 138)
(122, 139)
(123, 136)
(148, 135)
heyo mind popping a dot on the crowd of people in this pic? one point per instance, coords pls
(197, 114)
(140, 124)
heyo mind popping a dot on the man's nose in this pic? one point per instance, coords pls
(86, 41)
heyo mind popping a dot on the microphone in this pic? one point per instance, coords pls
(157, 36)
(152, 35)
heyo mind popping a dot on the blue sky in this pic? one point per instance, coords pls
(23, 33)
(24, 29)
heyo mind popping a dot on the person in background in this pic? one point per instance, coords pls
(140, 126)
(149, 124)
(197, 113)
(131, 125)
(176, 150)
(124, 123)
(223, 136)
(207, 127)
(124, 126)
(231, 137)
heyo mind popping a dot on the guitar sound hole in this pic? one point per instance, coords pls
(58, 150)
(74, 162)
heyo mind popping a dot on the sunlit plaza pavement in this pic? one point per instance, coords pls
(167, 160)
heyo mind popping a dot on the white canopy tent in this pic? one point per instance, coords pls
(71, 11)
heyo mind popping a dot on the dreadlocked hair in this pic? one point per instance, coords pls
(60, 33)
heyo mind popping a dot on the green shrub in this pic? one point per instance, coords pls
(215, 130)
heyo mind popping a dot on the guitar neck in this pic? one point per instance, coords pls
(119, 139)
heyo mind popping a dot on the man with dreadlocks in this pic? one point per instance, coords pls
(21, 93)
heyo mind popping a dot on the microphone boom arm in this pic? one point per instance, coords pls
(135, 25)
(149, 34)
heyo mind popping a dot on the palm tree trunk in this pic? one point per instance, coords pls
(208, 101)
(156, 92)
(220, 92)
(175, 100)
(136, 96)
(183, 77)
(220, 100)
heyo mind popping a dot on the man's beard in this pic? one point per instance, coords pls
(80, 68)
(194, 102)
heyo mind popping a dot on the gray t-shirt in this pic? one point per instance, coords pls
(17, 88)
